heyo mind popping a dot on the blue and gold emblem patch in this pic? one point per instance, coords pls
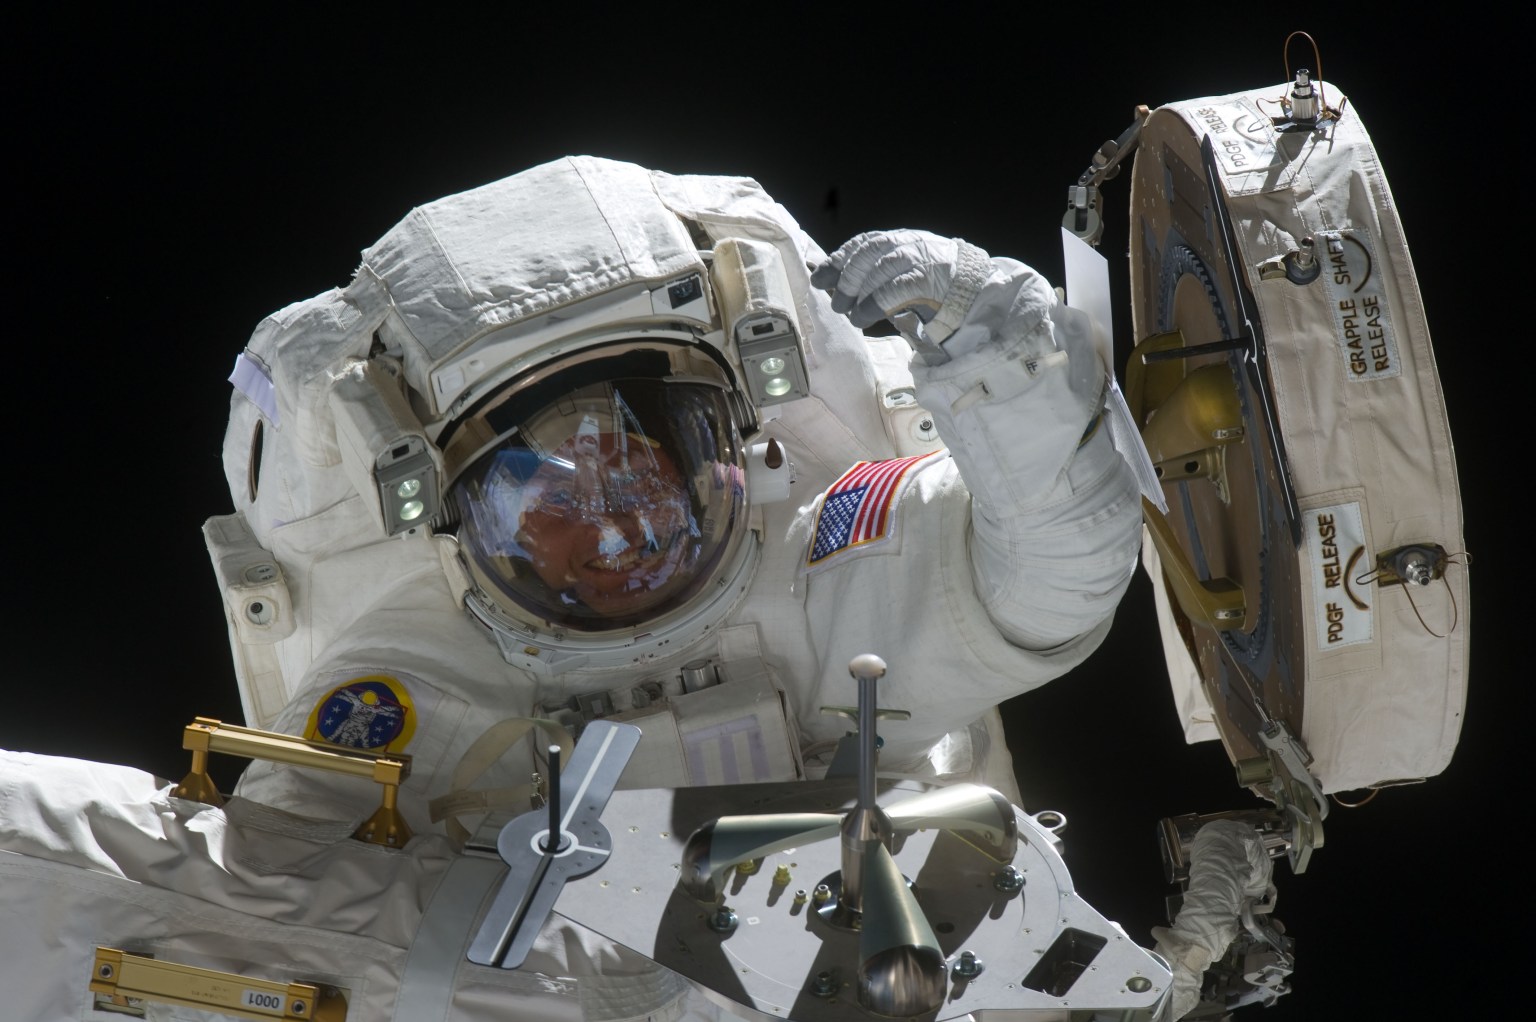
(373, 712)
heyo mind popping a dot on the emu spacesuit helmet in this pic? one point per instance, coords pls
(601, 492)
(587, 374)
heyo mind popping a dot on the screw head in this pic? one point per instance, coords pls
(967, 966)
(1009, 880)
(724, 920)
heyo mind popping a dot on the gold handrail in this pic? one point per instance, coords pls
(205, 736)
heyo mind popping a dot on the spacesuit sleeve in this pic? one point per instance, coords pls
(1228, 865)
(1055, 518)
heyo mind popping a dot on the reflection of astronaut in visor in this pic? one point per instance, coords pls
(608, 505)
(606, 520)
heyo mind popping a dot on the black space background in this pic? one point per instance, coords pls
(177, 175)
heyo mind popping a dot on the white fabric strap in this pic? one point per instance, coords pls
(438, 948)
(972, 266)
(461, 800)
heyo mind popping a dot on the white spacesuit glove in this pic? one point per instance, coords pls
(1055, 516)
(878, 274)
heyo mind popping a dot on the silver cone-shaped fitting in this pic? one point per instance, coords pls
(981, 816)
(715, 848)
(901, 969)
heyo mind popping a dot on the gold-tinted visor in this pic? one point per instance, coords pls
(608, 505)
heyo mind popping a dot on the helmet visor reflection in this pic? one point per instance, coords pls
(608, 508)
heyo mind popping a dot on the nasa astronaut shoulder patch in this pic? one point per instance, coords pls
(373, 712)
(858, 512)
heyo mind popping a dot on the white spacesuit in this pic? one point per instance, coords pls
(539, 461)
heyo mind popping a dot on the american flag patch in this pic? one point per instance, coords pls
(860, 507)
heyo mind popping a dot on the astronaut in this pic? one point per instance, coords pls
(608, 511)
(536, 466)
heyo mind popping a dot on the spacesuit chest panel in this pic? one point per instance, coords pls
(718, 718)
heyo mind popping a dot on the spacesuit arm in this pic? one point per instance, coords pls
(1055, 517)
(1228, 865)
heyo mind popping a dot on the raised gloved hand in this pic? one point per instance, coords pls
(879, 274)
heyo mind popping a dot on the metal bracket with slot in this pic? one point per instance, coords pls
(205, 735)
(848, 755)
(1082, 217)
(544, 850)
(1282, 776)
(1217, 602)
